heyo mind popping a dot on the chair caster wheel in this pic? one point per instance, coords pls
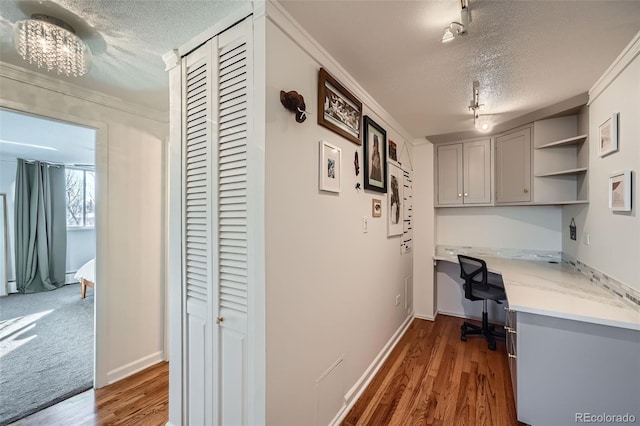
(492, 346)
(463, 338)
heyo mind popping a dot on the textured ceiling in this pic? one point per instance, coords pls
(127, 39)
(34, 138)
(526, 54)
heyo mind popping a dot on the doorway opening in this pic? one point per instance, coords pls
(47, 320)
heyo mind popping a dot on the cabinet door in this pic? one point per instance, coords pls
(449, 159)
(477, 172)
(513, 167)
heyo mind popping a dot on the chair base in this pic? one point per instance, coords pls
(486, 330)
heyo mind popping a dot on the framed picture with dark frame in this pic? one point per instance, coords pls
(338, 109)
(375, 156)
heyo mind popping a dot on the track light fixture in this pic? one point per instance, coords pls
(482, 123)
(458, 28)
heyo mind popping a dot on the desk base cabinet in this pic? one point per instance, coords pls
(564, 370)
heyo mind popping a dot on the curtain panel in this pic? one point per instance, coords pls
(40, 226)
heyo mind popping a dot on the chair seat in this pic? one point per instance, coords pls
(489, 292)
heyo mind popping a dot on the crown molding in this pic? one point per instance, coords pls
(289, 26)
(42, 81)
(628, 54)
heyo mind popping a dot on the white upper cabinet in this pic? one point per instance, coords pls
(513, 167)
(464, 173)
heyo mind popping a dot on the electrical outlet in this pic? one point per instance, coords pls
(365, 224)
(397, 300)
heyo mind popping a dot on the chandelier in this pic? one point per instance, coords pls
(52, 44)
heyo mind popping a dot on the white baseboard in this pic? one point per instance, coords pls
(356, 391)
(426, 317)
(134, 367)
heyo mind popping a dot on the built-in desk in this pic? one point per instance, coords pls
(574, 349)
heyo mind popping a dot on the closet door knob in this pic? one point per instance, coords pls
(525, 190)
(459, 195)
(466, 194)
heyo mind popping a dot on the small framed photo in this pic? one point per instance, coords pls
(395, 201)
(330, 167)
(620, 191)
(375, 156)
(393, 151)
(608, 136)
(376, 208)
(338, 109)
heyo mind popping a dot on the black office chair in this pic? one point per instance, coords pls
(480, 284)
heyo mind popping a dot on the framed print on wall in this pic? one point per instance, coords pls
(393, 152)
(338, 109)
(376, 207)
(330, 167)
(608, 142)
(620, 191)
(375, 156)
(395, 201)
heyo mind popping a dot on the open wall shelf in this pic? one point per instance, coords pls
(564, 142)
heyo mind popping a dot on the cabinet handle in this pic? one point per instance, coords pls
(511, 355)
(459, 195)
(525, 190)
(466, 194)
(219, 320)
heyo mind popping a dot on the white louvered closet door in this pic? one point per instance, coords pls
(215, 264)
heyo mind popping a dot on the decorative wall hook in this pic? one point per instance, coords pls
(294, 102)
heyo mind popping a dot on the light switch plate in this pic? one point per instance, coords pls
(365, 224)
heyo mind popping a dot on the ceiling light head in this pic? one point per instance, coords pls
(448, 35)
(483, 123)
(458, 28)
(52, 44)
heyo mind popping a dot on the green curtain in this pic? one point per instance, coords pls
(40, 226)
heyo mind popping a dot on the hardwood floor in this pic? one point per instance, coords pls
(430, 378)
(142, 399)
(433, 378)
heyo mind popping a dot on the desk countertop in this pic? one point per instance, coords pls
(559, 291)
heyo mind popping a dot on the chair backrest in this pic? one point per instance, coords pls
(470, 268)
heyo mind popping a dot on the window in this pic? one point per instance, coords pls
(81, 204)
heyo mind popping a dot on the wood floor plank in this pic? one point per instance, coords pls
(432, 378)
(142, 399)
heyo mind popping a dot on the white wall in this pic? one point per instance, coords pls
(130, 302)
(330, 289)
(615, 237)
(81, 242)
(424, 304)
(529, 227)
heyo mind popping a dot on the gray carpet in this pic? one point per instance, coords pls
(46, 349)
